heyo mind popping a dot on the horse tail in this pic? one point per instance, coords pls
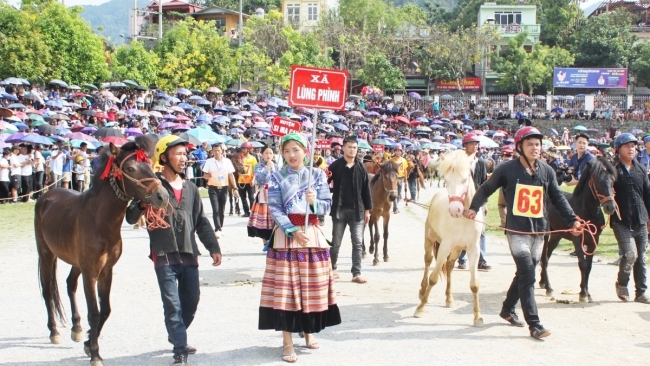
(443, 269)
(50, 288)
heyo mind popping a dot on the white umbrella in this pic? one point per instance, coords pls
(485, 141)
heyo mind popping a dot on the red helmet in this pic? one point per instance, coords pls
(470, 137)
(507, 150)
(247, 145)
(527, 132)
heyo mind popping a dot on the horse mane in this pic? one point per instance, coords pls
(143, 142)
(389, 167)
(594, 167)
(455, 162)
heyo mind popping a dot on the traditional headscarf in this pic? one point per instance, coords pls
(299, 139)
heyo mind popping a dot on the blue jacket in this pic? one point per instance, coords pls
(580, 164)
(643, 158)
(200, 155)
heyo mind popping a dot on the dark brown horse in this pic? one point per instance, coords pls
(383, 189)
(83, 230)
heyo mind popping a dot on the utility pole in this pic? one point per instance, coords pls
(134, 34)
(240, 35)
(160, 20)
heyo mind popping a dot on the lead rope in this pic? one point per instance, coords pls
(155, 217)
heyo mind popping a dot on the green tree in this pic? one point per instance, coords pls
(379, 72)
(193, 55)
(22, 50)
(76, 53)
(604, 41)
(133, 61)
(641, 64)
(254, 65)
(558, 19)
(248, 6)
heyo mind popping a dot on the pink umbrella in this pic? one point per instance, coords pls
(80, 136)
(155, 114)
(183, 118)
(167, 125)
(307, 124)
(176, 109)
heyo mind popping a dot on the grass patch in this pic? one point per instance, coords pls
(607, 246)
(18, 223)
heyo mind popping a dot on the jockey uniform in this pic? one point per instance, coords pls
(526, 191)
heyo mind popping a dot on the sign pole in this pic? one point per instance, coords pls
(311, 162)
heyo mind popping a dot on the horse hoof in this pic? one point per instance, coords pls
(589, 299)
(549, 292)
(371, 250)
(97, 363)
(87, 350)
(375, 262)
(55, 339)
(418, 313)
(542, 285)
(386, 259)
(449, 304)
(478, 322)
(76, 336)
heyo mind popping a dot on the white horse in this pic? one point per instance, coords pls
(447, 232)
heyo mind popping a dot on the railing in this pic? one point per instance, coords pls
(516, 28)
(640, 29)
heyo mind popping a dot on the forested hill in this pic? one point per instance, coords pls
(111, 19)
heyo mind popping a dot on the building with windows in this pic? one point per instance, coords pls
(227, 21)
(305, 14)
(508, 21)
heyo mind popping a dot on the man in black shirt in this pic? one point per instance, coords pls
(351, 204)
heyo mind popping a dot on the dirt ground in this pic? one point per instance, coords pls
(378, 325)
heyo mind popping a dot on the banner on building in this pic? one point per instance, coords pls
(467, 84)
(567, 77)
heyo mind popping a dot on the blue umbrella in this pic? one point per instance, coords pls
(204, 118)
(237, 117)
(580, 128)
(554, 131)
(220, 109)
(341, 126)
(9, 97)
(204, 135)
(16, 106)
(457, 142)
(37, 139)
(173, 100)
(21, 126)
(162, 95)
(185, 106)
(183, 91)
(557, 109)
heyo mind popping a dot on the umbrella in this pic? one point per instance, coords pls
(58, 82)
(91, 144)
(169, 117)
(155, 114)
(446, 97)
(46, 129)
(204, 135)
(9, 97)
(107, 131)
(213, 89)
(233, 109)
(79, 136)
(363, 144)
(16, 137)
(259, 125)
(580, 128)
(180, 127)
(167, 125)
(88, 112)
(130, 83)
(382, 142)
(133, 131)
(37, 139)
(485, 141)
(74, 87)
(17, 106)
(341, 126)
(424, 128)
(190, 139)
(21, 126)
(557, 109)
(60, 116)
(89, 86)
(415, 95)
(636, 131)
(4, 112)
(115, 140)
(234, 142)
(88, 129)
(554, 131)
(183, 91)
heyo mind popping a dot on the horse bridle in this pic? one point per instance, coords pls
(462, 197)
(383, 185)
(116, 171)
(601, 197)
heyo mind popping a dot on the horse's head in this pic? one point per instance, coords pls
(129, 170)
(388, 176)
(455, 168)
(601, 176)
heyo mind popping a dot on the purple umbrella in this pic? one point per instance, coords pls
(167, 125)
(372, 114)
(169, 117)
(16, 137)
(133, 131)
(415, 95)
(89, 129)
(132, 111)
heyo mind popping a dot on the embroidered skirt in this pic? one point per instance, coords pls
(297, 291)
(261, 223)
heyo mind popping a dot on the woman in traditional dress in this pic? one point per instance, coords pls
(260, 224)
(297, 289)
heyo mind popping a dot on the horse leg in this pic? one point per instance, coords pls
(50, 291)
(428, 258)
(582, 264)
(589, 260)
(375, 241)
(547, 251)
(91, 346)
(449, 266)
(434, 276)
(72, 281)
(472, 261)
(371, 229)
(385, 221)
(104, 290)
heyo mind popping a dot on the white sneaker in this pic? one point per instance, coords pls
(218, 234)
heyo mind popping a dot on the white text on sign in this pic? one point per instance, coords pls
(320, 95)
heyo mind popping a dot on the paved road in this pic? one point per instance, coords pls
(378, 325)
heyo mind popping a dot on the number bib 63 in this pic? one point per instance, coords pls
(529, 201)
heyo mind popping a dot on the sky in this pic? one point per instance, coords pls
(69, 2)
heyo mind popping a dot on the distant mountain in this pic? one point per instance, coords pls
(113, 17)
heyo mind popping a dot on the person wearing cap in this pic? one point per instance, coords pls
(402, 166)
(173, 249)
(633, 200)
(579, 160)
(245, 181)
(79, 173)
(529, 183)
(553, 161)
(479, 175)
(643, 156)
(5, 168)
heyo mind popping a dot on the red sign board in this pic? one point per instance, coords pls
(284, 126)
(378, 148)
(465, 83)
(318, 88)
(324, 144)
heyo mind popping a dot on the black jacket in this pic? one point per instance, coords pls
(507, 175)
(480, 173)
(186, 220)
(632, 195)
(360, 185)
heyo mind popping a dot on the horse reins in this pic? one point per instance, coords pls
(463, 196)
(117, 170)
(602, 199)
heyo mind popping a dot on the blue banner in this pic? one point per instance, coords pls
(567, 77)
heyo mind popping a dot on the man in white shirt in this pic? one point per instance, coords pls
(218, 170)
(14, 172)
(4, 175)
(26, 160)
(56, 166)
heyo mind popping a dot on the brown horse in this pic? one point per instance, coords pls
(83, 230)
(383, 189)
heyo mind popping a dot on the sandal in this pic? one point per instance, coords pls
(644, 299)
(311, 345)
(290, 358)
(622, 293)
